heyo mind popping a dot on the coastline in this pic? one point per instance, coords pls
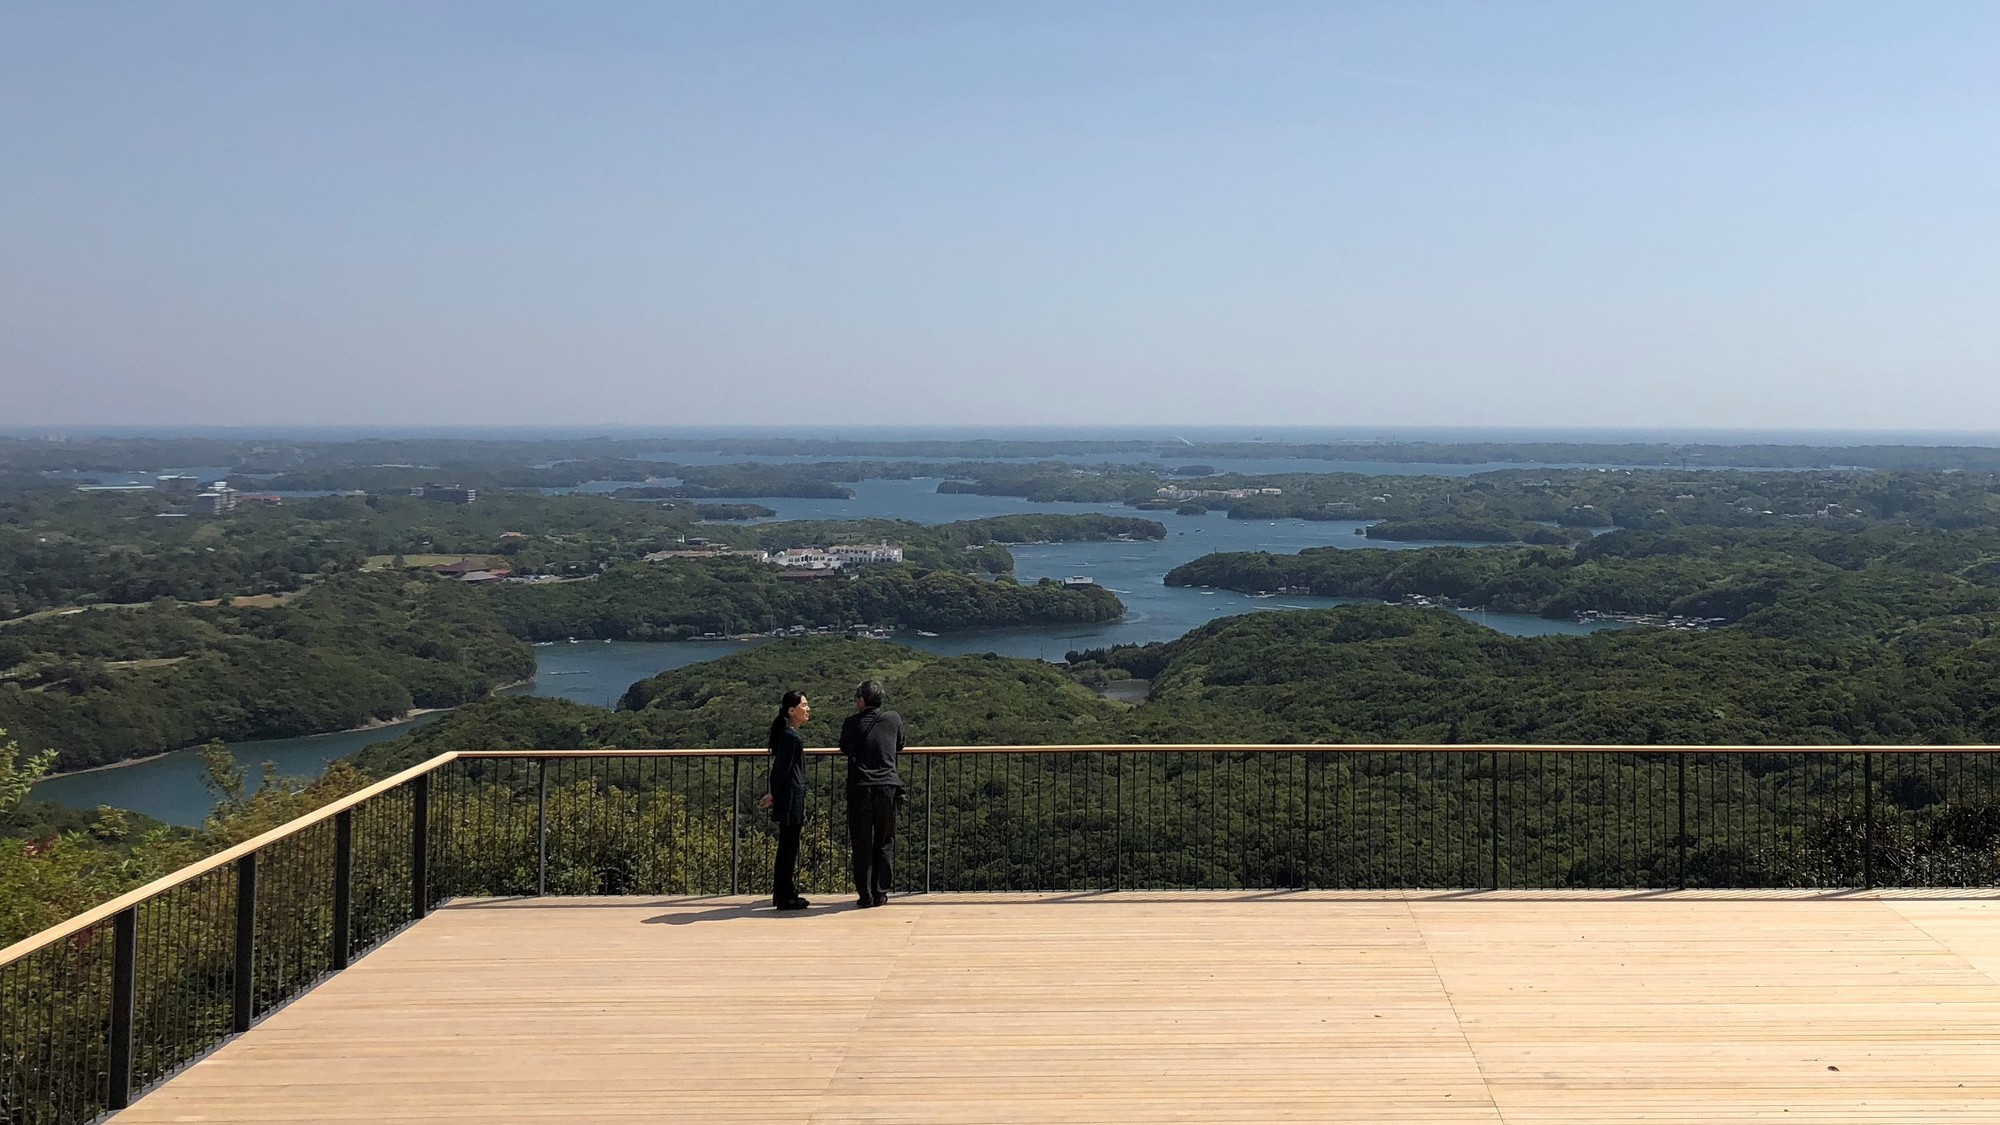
(117, 765)
(372, 724)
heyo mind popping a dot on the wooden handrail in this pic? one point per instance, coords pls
(1271, 748)
(134, 897)
(228, 855)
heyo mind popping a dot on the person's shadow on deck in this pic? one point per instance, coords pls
(740, 910)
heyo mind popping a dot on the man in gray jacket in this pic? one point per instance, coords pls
(870, 739)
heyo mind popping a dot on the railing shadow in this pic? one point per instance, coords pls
(723, 908)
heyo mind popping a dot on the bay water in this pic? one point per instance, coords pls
(169, 788)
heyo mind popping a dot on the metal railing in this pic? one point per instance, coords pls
(114, 1001)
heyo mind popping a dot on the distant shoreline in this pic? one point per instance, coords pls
(372, 724)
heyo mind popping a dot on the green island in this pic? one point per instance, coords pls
(1515, 505)
(680, 599)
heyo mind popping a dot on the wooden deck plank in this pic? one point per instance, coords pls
(1143, 1007)
(1835, 1009)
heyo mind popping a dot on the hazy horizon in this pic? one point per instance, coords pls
(1163, 433)
(1554, 216)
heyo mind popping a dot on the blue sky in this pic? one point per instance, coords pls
(1746, 215)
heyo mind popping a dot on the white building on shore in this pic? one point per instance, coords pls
(1215, 493)
(838, 556)
(859, 553)
(805, 558)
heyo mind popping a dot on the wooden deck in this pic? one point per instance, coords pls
(1134, 1007)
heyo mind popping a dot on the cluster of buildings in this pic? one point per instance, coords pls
(836, 557)
(218, 497)
(803, 560)
(694, 547)
(1179, 495)
(468, 571)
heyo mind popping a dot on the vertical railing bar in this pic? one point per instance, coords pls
(1045, 785)
(1432, 859)
(154, 933)
(244, 984)
(1868, 819)
(124, 981)
(1746, 828)
(1592, 766)
(927, 822)
(343, 886)
(1306, 787)
(1681, 821)
(735, 823)
(1493, 815)
(420, 846)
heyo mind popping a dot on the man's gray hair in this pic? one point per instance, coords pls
(871, 693)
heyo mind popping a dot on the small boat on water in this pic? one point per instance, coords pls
(925, 633)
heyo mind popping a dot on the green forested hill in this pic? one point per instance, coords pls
(679, 599)
(1780, 583)
(101, 687)
(1351, 674)
(1541, 503)
(958, 700)
(1387, 674)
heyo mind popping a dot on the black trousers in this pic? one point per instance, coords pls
(785, 873)
(871, 829)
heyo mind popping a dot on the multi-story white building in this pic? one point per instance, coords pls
(806, 558)
(853, 553)
(836, 557)
(220, 497)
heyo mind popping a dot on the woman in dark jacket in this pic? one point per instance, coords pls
(787, 796)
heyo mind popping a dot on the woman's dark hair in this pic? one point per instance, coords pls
(792, 699)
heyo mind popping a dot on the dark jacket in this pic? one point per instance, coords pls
(788, 777)
(870, 740)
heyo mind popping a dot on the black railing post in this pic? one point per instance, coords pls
(1493, 813)
(1868, 819)
(542, 832)
(1306, 859)
(244, 1006)
(420, 847)
(735, 823)
(124, 983)
(343, 886)
(1118, 820)
(927, 823)
(1681, 821)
